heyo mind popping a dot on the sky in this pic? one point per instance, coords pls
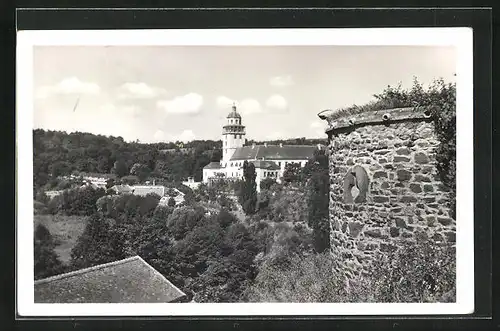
(170, 93)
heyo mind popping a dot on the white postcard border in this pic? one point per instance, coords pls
(461, 38)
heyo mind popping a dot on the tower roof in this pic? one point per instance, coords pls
(233, 113)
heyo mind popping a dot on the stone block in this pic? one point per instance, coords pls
(374, 233)
(422, 178)
(428, 188)
(394, 231)
(398, 159)
(382, 152)
(445, 220)
(421, 158)
(380, 199)
(408, 199)
(355, 228)
(403, 151)
(415, 188)
(451, 236)
(404, 175)
(379, 174)
(400, 223)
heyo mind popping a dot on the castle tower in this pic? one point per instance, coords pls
(233, 135)
(384, 185)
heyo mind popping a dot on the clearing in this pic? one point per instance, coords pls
(65, 230)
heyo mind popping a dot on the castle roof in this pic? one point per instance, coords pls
(274, 152)
(131, 280)
(233, 113)
(212, 165)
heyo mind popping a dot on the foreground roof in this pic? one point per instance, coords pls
(274, 152)
(131, 280)
(212, 165)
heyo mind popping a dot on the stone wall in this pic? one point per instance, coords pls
(405, 197)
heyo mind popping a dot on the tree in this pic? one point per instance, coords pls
(171, 202)
(99, 243)
(266, 183)
(317, 177)
(291, 173)
(141, 171)
(248, 193)
(120, 168)
(46, 261)
(183, 220)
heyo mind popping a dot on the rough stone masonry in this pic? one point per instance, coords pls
(384, 185)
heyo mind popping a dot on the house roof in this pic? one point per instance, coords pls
(122, 188)
(268, 165)
(212, 165)
(131, 280)
(145, 190)
(274, 152)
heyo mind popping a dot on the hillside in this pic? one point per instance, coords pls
(57, 153)
(65, 230)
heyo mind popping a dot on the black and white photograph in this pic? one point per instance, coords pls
(246, 169)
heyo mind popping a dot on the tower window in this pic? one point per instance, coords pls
(356, 183)
(234, 136)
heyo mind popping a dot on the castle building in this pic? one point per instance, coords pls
(269, 160)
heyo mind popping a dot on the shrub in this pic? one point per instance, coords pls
(303, 279)
(46, 261)
(416, 272)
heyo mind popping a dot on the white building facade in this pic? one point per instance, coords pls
(269, 160)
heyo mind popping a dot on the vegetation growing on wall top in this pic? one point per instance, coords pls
(440, 98)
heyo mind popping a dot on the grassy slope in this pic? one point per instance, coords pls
(65, 230)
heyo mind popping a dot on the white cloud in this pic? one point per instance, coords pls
(224, 102)
(184, 136)
(70, 85)
(280, 81)
(317, 125)
(140, 90)
(249, 106)
(277, 102)
(187, 104)
(246, 106)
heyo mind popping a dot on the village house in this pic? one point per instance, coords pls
(174, 193)
(53, 194)
(269, 160)
(191, 183)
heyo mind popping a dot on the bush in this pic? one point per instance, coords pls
(416, 272)
(303, 279)
(46, 260)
